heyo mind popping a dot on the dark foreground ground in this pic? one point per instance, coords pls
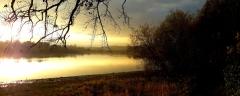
(114, 84)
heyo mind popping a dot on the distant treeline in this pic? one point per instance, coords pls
(17, 49)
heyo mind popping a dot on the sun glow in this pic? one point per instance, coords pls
(5, 33)
(8, 65)
(37, 68)
(8, 33)
(11, 69)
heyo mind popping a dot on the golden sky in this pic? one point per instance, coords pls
(141, 11)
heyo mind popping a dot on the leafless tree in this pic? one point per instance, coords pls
(56, 17)
(164, 48)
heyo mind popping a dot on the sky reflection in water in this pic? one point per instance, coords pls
(37, 68)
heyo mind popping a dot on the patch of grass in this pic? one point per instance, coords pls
(120, 84)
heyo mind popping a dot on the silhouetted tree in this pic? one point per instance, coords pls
(216, 26)
(205, 47)
(164, 48)
(49, 14)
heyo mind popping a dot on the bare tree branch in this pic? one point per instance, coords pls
(46, 14)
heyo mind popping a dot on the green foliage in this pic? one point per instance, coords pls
(216, 26)
(232, 70)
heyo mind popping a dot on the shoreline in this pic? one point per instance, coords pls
(67, 78)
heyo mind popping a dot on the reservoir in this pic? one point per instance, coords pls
(71, 65)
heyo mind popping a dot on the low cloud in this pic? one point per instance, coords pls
(154, 11)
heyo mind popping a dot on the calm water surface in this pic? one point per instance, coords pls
(37, 68)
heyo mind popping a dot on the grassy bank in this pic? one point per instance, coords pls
(114, 84)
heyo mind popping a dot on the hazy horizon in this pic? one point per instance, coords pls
(152, 12)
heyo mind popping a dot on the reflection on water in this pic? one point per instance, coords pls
(36, 68)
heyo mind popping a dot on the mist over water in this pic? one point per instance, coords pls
(72, 65)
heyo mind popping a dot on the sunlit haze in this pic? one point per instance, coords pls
(35, 68)
(119, 47)
(141, 12)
